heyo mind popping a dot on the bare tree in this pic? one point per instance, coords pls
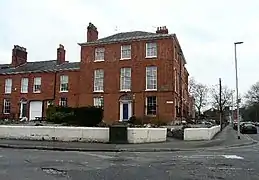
(226, 95)
(199, 91)
(252, 96)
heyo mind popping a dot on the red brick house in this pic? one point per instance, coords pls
(26, 88)
(134, 73)
(131, 73)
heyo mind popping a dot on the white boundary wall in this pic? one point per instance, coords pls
(84, 134)
(200, 133)
(146, 135)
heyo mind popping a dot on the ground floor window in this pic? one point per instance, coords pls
(7, 106)
(98, 102)
(151, 105)
(63, 102)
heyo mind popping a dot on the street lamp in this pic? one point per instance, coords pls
(237, 99)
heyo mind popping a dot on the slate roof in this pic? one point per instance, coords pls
(38, 66)
(128, 36)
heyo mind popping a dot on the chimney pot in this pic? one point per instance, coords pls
(92, 33)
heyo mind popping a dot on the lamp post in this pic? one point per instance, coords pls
(237, 99)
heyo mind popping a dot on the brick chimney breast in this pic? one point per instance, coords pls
(61, 54)
(92, 33)
(19, 56)
(162, 30)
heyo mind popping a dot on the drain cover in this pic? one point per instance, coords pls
(54, 171)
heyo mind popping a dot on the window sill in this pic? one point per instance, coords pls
(98, 91)
(7, 113)
(151, 57)
(63, 91)
(150, 115)
(8, 93)
(123, 59)
(151, 90)
(24, 92)
(37, 92)
(99, 60)
(125, 90)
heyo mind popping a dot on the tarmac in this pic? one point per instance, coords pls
(227, 138)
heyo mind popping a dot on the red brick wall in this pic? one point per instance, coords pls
(47, 89)
(138, 64)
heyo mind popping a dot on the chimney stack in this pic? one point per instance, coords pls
(92, 33)
(61, 54)
(162, 30)
(19, 56)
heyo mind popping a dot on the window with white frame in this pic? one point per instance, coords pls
(151, 78)
(8, 86)
(37, 85)
(50, 103)
(98, 102)
(63, 83)
(99, 54)
(24, 85)
(151, 49)
(7, 106)
(125, 79)
(151, 105)
(125, 51)
(63, 101)
(98, 80)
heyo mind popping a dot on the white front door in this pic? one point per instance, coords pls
(35, 109)
(125, 111)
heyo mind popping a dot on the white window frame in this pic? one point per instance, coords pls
(98, 102)
(8, 86)
(37, 85)
(175, 80)
(64, 83)
(98, 80)
(125, 52)
(152, 114)
(99, 54)
(63, 102)
(151, 50)
(125, 79)
(151, 78)
(7, 102)
(24, 85)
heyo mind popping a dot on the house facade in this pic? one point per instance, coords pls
(27, 88)
(131, 73)
(134, 73)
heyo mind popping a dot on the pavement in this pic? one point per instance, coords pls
(226, 138)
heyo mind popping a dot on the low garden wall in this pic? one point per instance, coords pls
(200, 133)
(84, 134)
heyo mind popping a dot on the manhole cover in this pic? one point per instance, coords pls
(54, 171)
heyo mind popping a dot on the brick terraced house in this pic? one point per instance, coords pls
(130, 73)
(27, 88)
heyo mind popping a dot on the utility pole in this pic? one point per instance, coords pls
(232, 117)
(220, 105)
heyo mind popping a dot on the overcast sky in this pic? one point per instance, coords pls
(206, 30)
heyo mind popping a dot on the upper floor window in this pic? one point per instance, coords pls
(63, 83)
(99, 54)
(7, 106)
(24, 85)
(98, 80)
(98, 102)
(151, 78)
(151, 50)
(37, 85)
(175, 80)
(125, 79)
(63, 101)
(125, 51)
(151, 105)
(8, 86)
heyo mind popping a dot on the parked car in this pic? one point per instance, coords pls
(248, 128)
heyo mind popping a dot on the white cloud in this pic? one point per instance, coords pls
(206, 30)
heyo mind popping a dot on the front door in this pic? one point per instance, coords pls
(125, 109)
(23, 109)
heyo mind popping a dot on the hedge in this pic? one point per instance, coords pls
(80, 116)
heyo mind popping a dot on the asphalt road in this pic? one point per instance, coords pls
(235, 163)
